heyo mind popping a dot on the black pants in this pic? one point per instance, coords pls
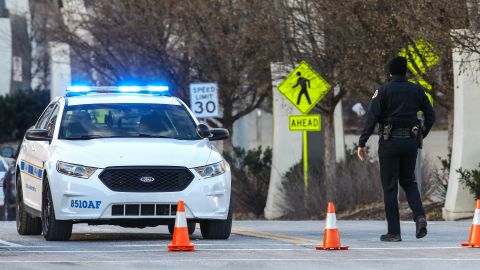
(397, 165)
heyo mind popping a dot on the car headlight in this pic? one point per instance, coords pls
(211, 170)
(75, 170)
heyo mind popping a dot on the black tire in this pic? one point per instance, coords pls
(53, 229)
(217, 229)
(191, 228)
(9, 207)
(26, 224)
(11, 215)
(3, 210)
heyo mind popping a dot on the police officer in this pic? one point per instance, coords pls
(394, 106)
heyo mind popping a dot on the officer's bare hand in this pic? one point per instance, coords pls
(362, 153)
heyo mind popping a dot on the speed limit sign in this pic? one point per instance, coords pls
(204, 99)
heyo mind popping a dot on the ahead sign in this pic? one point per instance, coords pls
(307, 122)
(204, 99)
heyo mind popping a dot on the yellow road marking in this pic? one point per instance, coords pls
(272, 236)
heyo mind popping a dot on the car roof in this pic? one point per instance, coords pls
(111, 98)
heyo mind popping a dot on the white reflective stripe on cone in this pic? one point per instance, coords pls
(331, 221)
(476, 217)
(181, 220)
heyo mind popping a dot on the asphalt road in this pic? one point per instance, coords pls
(254, 245)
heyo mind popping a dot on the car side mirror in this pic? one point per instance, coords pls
(219, 134)
(204, 131)
(38, 135)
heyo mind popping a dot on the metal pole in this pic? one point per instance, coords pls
(305, 168)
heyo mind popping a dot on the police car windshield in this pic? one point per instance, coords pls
(93, 121)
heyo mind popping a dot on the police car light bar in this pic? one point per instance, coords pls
(152, 89)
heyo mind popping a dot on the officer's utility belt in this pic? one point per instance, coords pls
(388, 132)
(401, 133)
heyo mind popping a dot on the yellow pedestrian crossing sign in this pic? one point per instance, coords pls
(304, 87)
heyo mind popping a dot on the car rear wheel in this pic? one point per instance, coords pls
(9, 208)
(26, 224)
(217, 229)
(191, 228)
(53, 229)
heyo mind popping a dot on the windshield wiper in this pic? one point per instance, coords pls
(84, 137)
(143, 135)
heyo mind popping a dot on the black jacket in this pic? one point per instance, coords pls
(398, 102)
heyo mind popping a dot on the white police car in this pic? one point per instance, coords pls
(121, 156)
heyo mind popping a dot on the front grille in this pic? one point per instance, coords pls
(144, 209)
(155, 179)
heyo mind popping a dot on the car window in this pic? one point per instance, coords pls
(127, 120)
(53, 119)
(43, 120)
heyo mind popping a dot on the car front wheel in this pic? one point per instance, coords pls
(26, 224)
(53, 229)
(217, 229)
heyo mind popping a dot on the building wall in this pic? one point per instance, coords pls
(253, 130)
(19, 7)
(5, 55)
(459, 201)
(14, 46)
(21, 53)
(60, 68)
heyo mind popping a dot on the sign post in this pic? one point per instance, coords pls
(304, 88)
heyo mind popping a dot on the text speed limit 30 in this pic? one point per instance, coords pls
(204, 99)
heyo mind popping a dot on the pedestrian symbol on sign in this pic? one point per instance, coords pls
(305, 84)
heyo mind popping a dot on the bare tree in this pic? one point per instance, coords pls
(232, 42)
(124, 42)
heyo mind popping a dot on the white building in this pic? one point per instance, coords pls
(15, 73)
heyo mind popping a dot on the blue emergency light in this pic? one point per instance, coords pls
(149, 89)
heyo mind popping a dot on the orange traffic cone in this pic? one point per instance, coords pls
(331, 237)
(474, 238)
(181, 239)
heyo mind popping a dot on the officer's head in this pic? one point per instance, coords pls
(398, 66)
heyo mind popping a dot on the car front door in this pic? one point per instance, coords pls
(32, 164)
(41, 153)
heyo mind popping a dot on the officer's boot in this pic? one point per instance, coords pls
(421, 224)
(391, 238)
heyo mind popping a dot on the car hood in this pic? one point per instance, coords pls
(103, 153)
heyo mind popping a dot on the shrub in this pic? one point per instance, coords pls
(357, 183)
(19, 111)
(299, 205)
(250, 178)
(471, 179)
